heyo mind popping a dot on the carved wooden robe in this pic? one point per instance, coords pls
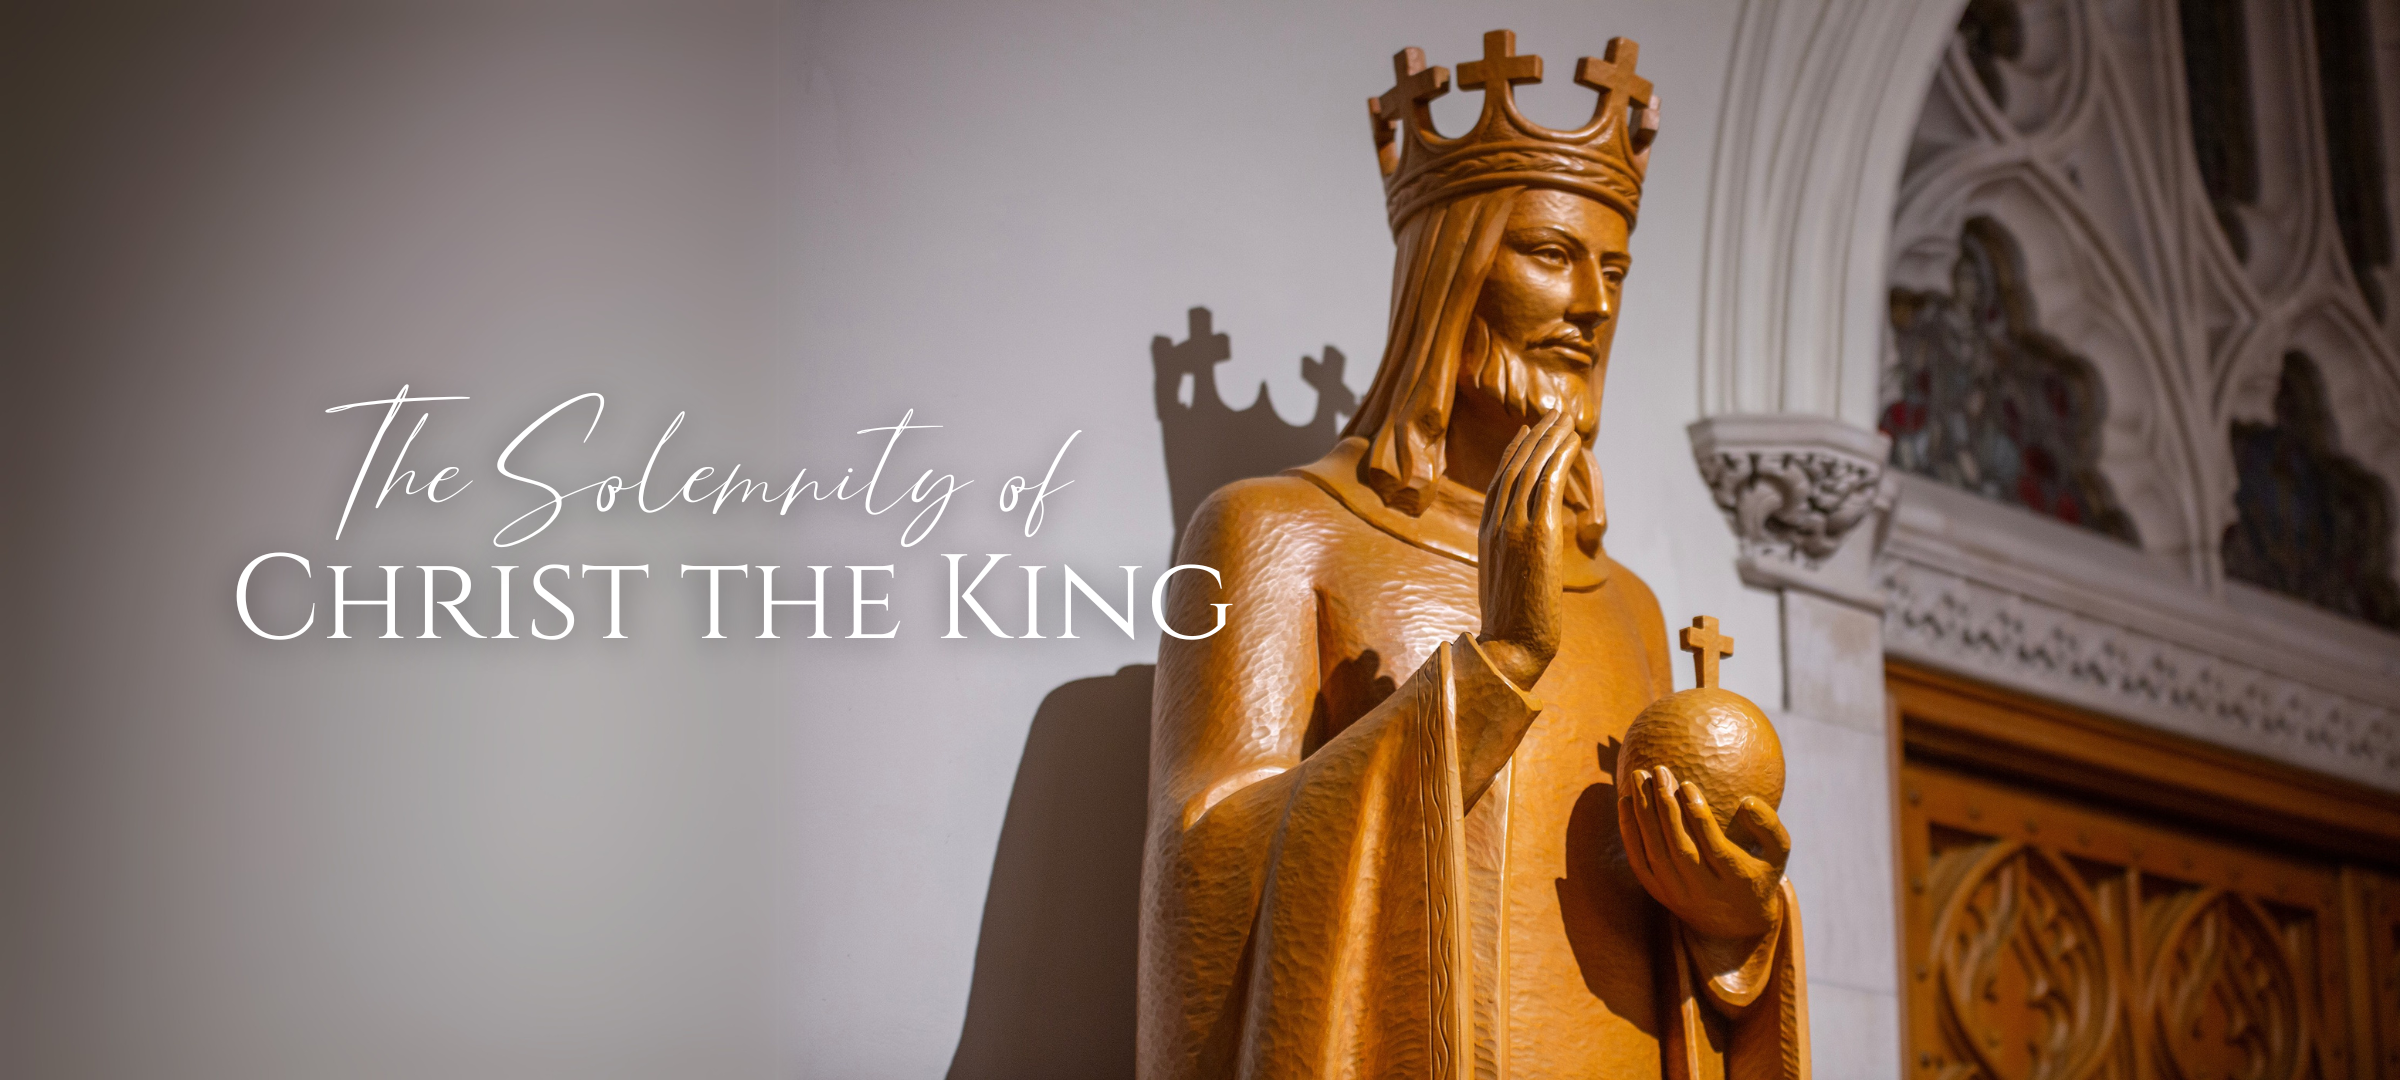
(1319, 900)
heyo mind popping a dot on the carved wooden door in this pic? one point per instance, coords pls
(2050, 938)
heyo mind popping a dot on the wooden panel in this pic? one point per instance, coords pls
(2051, 939)
(2081, 897)
(2371, 906)
(2055, 747)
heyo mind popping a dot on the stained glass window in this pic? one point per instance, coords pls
(1980, 399)
(2216, 82)
(1993, 31)
(2311, 523)
(2353, 148)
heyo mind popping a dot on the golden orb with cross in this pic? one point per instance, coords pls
(1707, 735)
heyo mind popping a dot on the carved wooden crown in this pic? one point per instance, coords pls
(1604, 159)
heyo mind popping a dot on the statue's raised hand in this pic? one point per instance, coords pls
(1523, 520)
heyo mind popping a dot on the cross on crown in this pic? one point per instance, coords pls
(1620, 87)
(1499, 71)
(1605, 157)
(1501, 68)
(1413, 84)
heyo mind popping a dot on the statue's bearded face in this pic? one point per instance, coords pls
(1547, 312)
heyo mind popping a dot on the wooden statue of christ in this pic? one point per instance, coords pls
(1385, 837)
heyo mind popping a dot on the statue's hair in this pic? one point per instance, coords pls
(1444, 253)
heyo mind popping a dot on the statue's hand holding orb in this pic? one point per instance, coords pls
(1699, 779)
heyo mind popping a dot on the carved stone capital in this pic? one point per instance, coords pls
(1794, 504)
(1795, 489)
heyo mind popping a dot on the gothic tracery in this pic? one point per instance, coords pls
(2185, 192)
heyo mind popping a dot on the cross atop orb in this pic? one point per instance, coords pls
(1707, 646)
(1500, 66)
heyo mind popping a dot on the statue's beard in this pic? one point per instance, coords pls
(1524, 389)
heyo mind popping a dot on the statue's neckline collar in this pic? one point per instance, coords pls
(1447, 529)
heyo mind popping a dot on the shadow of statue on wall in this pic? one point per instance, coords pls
(1052, 993)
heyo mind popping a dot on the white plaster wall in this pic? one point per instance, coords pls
(664, 856)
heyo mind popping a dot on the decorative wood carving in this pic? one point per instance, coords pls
(2223, 996)
(2371, 906)
(2027, 987)
(2051, 939)
(2078, 921)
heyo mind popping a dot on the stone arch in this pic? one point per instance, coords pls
(1820, 101)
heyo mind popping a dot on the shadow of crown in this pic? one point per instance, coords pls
(1208, 442)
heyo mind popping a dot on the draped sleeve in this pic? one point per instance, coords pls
(1301, 917)
(1306, 914)
(1749, 1023)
